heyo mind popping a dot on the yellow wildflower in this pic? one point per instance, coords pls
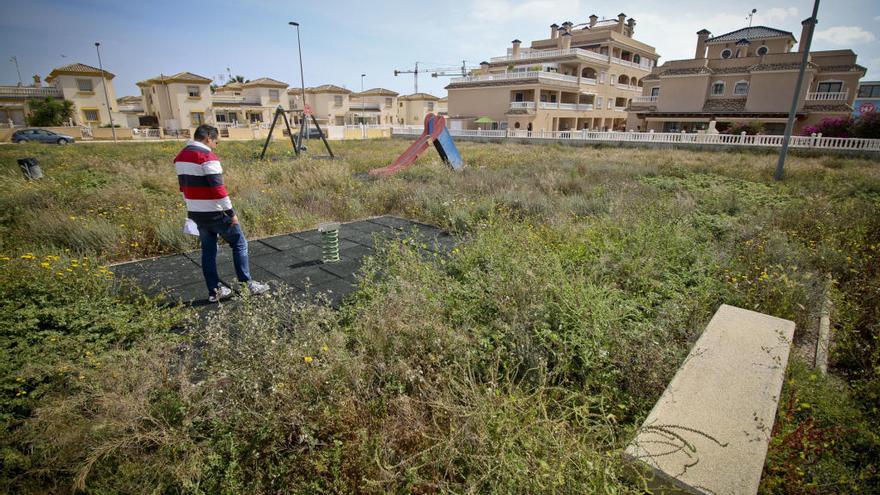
(307, 359)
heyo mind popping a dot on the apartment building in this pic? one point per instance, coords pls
(329, 103)
(178, 102)
(443, 106)
(130, 110)
(746, 75)
(249, 102)
(581, 77)
(374, 106)
(411, 109)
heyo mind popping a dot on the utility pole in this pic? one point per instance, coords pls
(302, 80)
(106, 95)
(812, 21)
(14, 60)
(362, 98)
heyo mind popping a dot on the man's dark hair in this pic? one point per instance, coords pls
(205, 131)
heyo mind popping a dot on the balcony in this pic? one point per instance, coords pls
(578, 107)
(527, 54)
(514, 76)
(643, 65)
(528, 105)
(24, 92)
(131, 108)
(843, 96)
(235, 100)
(649, 100)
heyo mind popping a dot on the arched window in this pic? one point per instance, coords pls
(516, 125)
(717, 88)
(641, 84)
(637, 59)
(623, 79)
(726, 53)
(741, 88)
(762, 50)
(588, 73)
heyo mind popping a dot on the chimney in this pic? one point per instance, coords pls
(567, 25)
(631, 24)
(37, 83)
(593, 20)
(484, 67)
(807, 26)
(702, 36)
(554, 31)
(566, 40)
(742, 48)
(620, 18)
(514, 50)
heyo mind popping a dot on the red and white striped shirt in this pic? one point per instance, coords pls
(200, 176)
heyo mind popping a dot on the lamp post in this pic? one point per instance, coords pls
(302, 81)
(789, 126)
(362, 97)
(106, 95)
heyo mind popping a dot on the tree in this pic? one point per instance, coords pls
(867, 126)
(49, 112)
(239, 79)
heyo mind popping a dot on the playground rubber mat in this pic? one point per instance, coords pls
(291, 259)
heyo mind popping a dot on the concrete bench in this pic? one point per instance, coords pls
(708, 433)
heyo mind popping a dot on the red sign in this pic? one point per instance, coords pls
(867, 107)
(307, 109)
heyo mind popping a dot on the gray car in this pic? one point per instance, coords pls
(40, 136)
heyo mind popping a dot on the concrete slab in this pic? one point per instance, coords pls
(708, 433)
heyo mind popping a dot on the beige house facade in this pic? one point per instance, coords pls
(180, 101)
(377, 106)
(412, 109)
(581, 77)
(249, 102)
(78, 83)
(748, 75)
(329, 103)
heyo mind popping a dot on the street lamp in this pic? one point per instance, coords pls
(362, 97)
(302, 81)
(106, 95)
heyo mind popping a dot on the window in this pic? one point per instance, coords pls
(869, 91)
(655, 91)
(91, 114)
(85, 85)
(197, 118)
(610, 102)
(637, 59)
(400, 104)
(337, 101)
(762, 50)
(726, 53)
(718, 88)
(430, 106)
(192, 91)
(517, 97)
(220, 117)
(273, 94)
(741, 88)
(830, 87)
(387, 102)
(598, 102)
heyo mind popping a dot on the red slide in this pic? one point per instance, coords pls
(433, 127)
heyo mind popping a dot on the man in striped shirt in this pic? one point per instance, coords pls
(208, 205)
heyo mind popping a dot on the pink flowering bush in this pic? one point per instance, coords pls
(831, 127)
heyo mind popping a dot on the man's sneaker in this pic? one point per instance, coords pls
(257, 288)
(222, 292)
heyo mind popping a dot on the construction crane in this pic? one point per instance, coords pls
(435, 72)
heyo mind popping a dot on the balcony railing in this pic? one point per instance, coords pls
(620, 109)
(644, 99)
(587, 80)
(512, 76)
(523, 104)
(131, 108)
(246, 100)
(526, 54)
(828, 96)
(643, 65)
(26, 92)
(581, 107)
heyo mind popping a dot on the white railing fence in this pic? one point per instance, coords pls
(759, 140)
(842, 96)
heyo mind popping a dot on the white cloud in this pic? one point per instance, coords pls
(775, 15)
(508, 10)
(845, 35)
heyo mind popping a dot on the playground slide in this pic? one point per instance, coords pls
(435, 132)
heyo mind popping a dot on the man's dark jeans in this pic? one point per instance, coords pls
(233, 235)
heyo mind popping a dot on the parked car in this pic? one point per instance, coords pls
(40, 136)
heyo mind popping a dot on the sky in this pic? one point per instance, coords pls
(343, 39)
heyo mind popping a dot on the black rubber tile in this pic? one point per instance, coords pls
(308, 252)
(310, 236)
(335, 291)
(281, 259)
(284, 242)
(343, 269)
(258, 248)
(355, 252)
(389, 221)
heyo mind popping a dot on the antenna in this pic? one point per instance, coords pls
(751, 14)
